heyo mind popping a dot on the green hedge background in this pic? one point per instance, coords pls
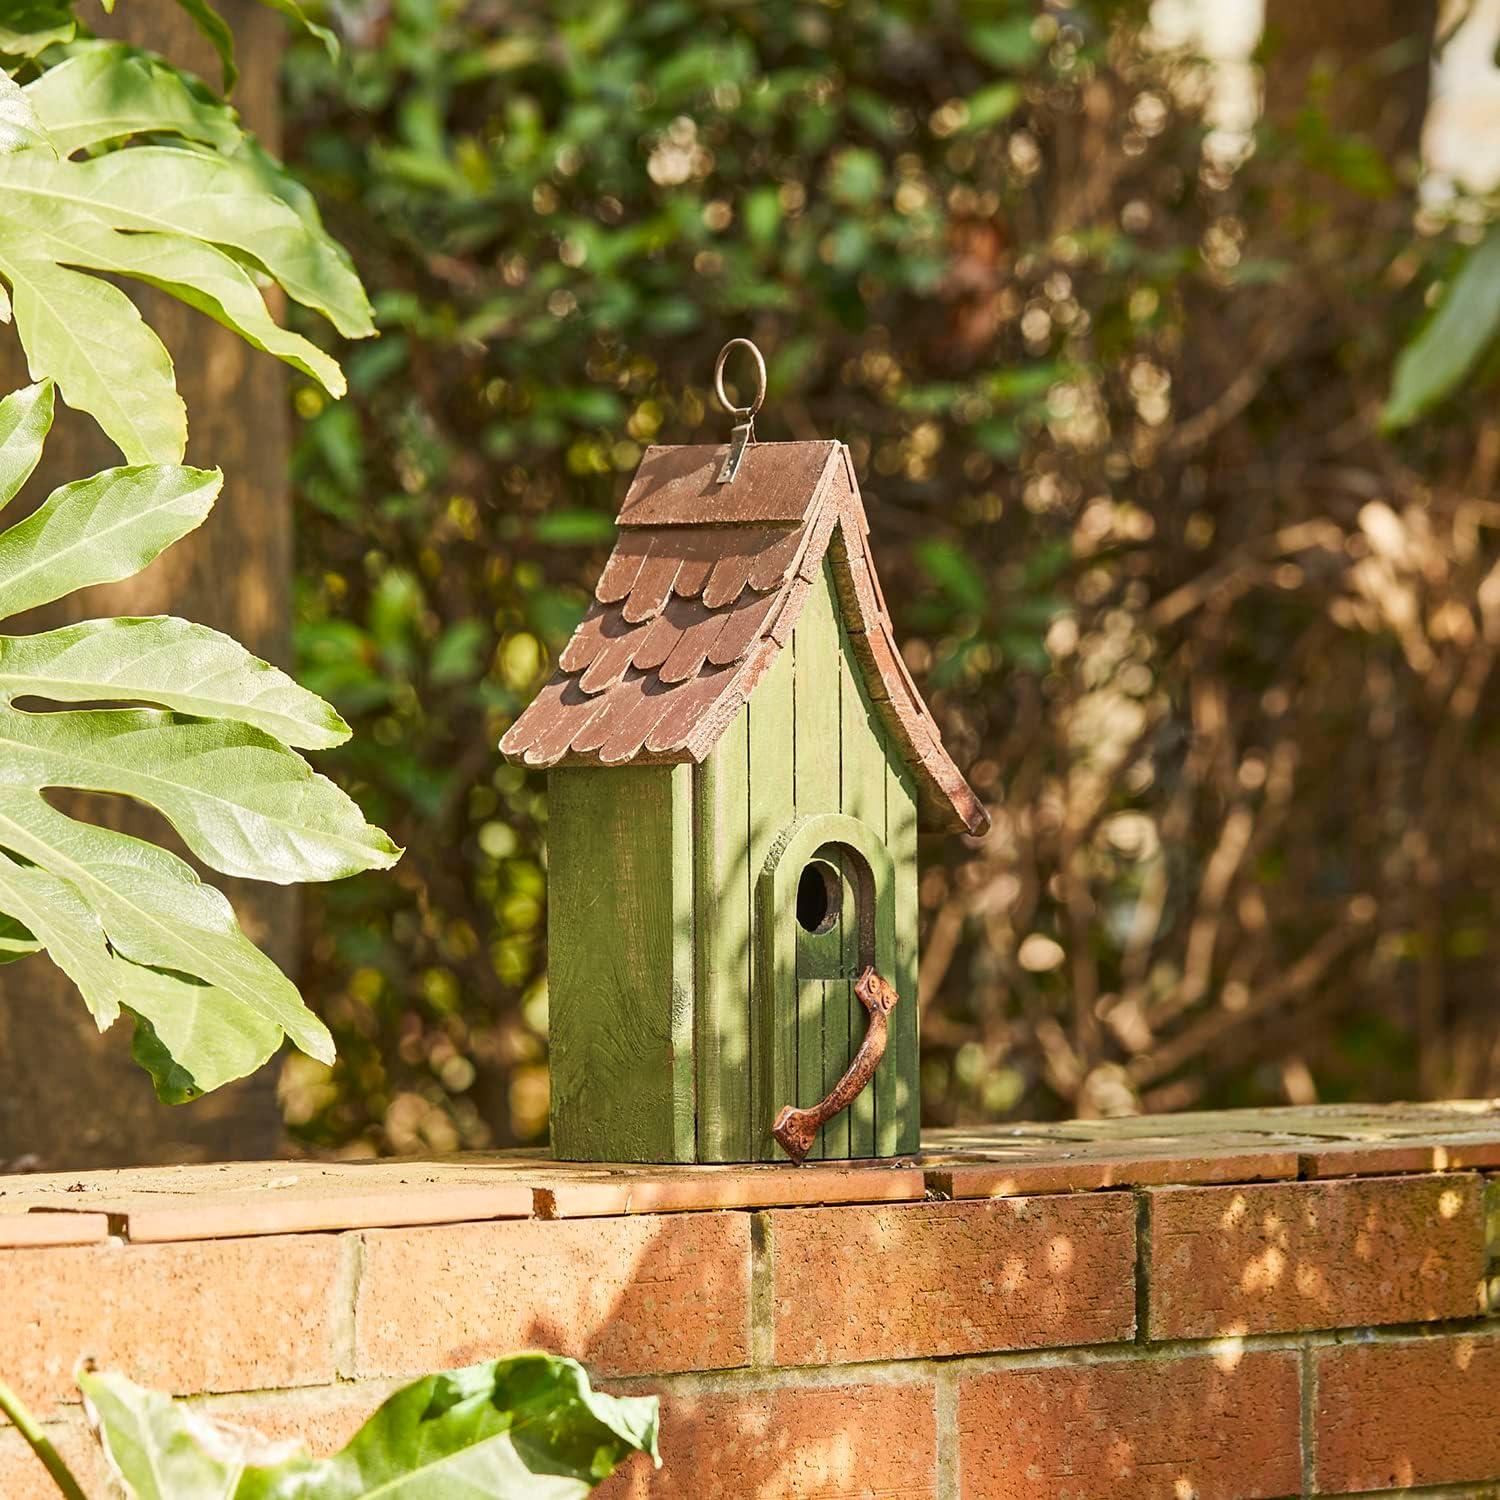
(1218, 652)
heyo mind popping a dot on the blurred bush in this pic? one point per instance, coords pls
(1219, 654)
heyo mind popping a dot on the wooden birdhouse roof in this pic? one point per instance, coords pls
(698, 598)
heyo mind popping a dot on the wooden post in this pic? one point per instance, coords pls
(70, 1097)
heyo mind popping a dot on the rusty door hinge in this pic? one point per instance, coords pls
(795, 1129)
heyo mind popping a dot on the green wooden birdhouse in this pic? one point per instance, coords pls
(738, 766)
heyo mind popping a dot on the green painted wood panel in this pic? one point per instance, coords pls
(683, 1071)
(620, 971)
(898, 1105)
(777, 940)
(772, 732)
(808, 742)
(723, 882)
(862, 773)
(823, 1015)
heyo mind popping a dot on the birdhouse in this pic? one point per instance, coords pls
(738, 764)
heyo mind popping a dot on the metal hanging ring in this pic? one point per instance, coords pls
(743, 412)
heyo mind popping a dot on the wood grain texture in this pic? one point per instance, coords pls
(683, 994)
(771, 811)
(802, 726)
(862, 772)
(694, 607)
(898, 1101)
(823, 1050)
(620, 963)
(777, 482)
(722, 899)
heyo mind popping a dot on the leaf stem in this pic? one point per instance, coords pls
(12, 1406)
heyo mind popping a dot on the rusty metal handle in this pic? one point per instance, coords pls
(795, 1128)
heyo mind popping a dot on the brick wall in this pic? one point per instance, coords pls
(1225, 1307)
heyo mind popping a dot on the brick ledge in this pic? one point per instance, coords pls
(237, 1199)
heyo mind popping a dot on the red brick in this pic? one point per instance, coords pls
(1401, 1154)
(646, 1295)
(33, 1230)
(586, 1192)
(324, 1418)
(952, 1278)
(1088, 1168)
(217, 1315)
(1301, 1255)
(230, 1200)
(790, 1442)
(1213, 1427)
(1414, 1412)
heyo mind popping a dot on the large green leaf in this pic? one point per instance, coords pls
(17, 940)
(25, 419)
(155, 911)
(1447, 348)
(243, 802)
(164, 1450)
(28, 27)
(525, 1428)
(88, 336)
(173, 190)
(200, 275)
(191, 1038)
(103, 91)
(158, 659)
(20, 130)
(195, 211)
(100, 530)
(132, 925)
(73, 936)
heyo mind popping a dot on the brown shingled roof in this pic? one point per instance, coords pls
(700, 594)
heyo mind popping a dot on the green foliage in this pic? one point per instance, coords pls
(528, 1426)
(1111, 402)
(1431, 366)
(130, 924)
(114, 163)
(30, 27)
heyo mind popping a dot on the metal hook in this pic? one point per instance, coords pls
(744, 432)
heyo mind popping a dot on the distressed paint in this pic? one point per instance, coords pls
(862, 775)
(898, 1104)
(722, 886)
(840, 764)
(773, 741)
(822, 1009)
(619, 967)
(664, 971)
(779, 942)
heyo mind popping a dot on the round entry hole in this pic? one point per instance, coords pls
(820, 894)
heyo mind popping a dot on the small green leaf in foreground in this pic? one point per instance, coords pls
(528, 1426)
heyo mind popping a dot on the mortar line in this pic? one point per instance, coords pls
(1142, 1267)
(762, 1310)
(899, 1371)
(345, 1329)
(948, 1476)
(1309, 1419)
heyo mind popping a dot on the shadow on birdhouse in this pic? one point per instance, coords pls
(738, 766)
